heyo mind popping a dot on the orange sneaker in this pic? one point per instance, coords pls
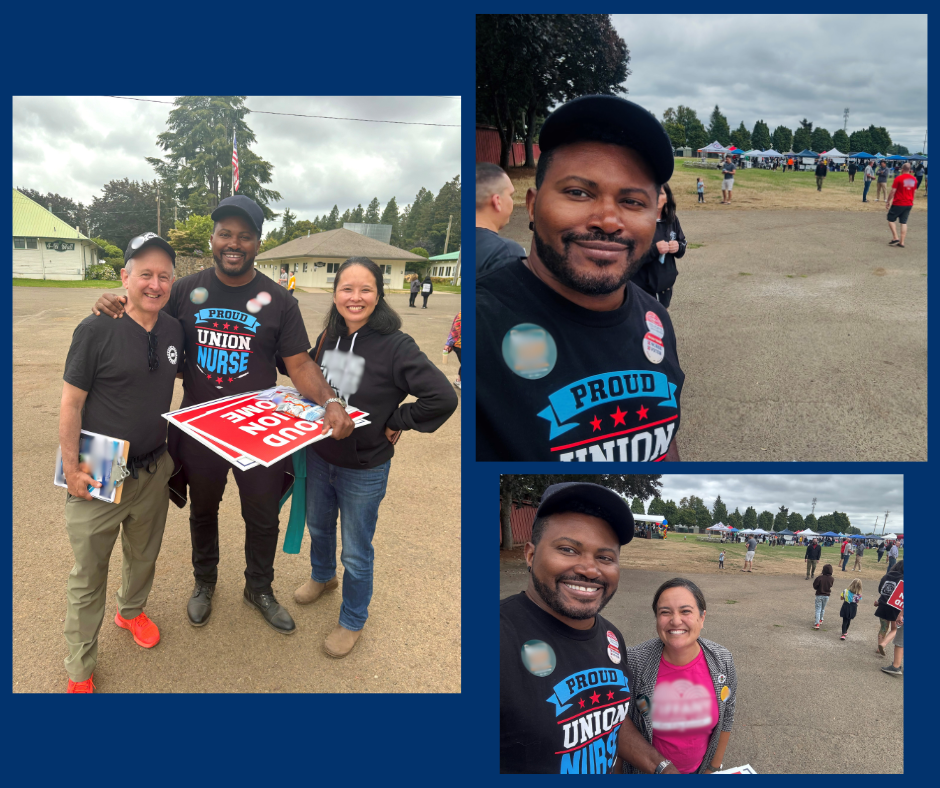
(145, 632)
(82, 686)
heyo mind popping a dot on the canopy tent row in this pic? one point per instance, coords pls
(835, 153)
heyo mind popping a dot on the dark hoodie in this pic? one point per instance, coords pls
(822, 584)
(886, 587)
(813, 552)
(385, 369)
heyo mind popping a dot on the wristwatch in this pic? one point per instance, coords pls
(340, 400)
(662, 766)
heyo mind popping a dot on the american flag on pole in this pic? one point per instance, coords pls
(234, 164)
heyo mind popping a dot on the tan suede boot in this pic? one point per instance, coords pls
(340, 642)
(312, 590)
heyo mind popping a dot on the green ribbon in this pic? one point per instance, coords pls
(298, 508)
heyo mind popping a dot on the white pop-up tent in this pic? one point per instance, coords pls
(889, 536)
(718, 527)
(770, 153)
(649, 518)
(715, 147)
(807, 532)
(835, 153)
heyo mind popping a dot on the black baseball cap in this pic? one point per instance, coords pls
(148, 239)
(242, 206)
(611, 119)
(557, 498)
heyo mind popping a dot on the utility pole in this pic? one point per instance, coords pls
(884, 523)
(447, 237)
(158, 210)
(814, 507)
(456, 269)
(845, 114)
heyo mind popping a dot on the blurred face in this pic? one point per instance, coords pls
(149, 279)
(356, 296)
(235, 243)
(678, 620)
(576, 566)
(595, 215)
(504, 201)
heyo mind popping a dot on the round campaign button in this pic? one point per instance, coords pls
(612, 639)
(614, 654)
(653, 348)
(171, 354)
(538, 657)
(529, 351)
(199, 295)
(654, 324)
(253, 306)
(263, 298)
(725, 693)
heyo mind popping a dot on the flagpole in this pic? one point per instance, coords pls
(234, 147)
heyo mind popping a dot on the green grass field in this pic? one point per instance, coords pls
(98, 283)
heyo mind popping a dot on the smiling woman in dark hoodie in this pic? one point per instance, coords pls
(374, 366)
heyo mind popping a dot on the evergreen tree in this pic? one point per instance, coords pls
(637, 506)
(750, 518)
(811, 523)
(782, 139)
(331, 222)
(718, 128)
(780, 521)
(719, 512)
(445, 206)
(760, 137)
(356, 216)
(765, 520)
(670, 511)
(390, 216)
(346, 217)
(795, 522)
(372, 212)
(657, 506)
(741, 137)
(287, 224)
(735, 520)
(803, 138)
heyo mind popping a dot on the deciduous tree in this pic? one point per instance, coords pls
(750, 518)
(191, 237)
(820, 140)
(637, 506)
(741, 137)
(782, 139)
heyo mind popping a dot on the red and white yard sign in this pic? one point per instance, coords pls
(897, 596)
(247, 430)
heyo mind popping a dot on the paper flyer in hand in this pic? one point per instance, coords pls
(746, 769)
(248, 429)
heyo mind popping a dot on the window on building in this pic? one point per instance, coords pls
(25, 243)
(305, 268)
(332, 268)
(295, 268)
(387, 269)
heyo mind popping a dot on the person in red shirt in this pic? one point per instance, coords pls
(899, 203)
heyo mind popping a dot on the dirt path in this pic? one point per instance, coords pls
(400, 650)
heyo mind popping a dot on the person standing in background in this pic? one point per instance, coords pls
(427, 287)
(882, 176)
(658, 272)
(292, 284)
(494, 206)
(820, 175)
(415, 289)
(453, 345)
(727, 184)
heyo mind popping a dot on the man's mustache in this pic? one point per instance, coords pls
(628, 243)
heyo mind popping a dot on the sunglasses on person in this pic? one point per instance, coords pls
(152, 360)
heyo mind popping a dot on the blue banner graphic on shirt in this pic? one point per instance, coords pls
(567, 688)
(569, 401)
(232, 315)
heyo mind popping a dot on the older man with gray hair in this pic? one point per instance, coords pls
(494, 208)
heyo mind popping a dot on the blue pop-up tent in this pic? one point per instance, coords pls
(808, 153)
(861, 155)
(830, 533)
(917, 157)
(897, 157)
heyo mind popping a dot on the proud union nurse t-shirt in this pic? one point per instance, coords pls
(559, 382)
(233, 334)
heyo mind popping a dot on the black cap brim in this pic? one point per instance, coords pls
(155, 241)
(617, 513)
(611, 119)
(231, 210)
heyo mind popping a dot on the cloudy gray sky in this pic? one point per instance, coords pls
(74, 145)
(784, 68)
(862, 497)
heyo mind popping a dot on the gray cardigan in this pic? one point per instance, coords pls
(642, 669)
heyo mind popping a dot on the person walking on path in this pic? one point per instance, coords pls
(892, 555)
(453, 345)
(727, 183)
(813, 554)
(427, 287)
(853, 168)
(919, 172)
(700, 188)
(881, 551)
(415, 289)
(821, 170)
(749, 555)
(721, 560)
(869, 177)
(823, 587)
(899, 203)
(882, 175)
(292, 284)
(888, 614)
(847, 550)
(859, 552)
(895, 669)
(851, 596)
(119, 377)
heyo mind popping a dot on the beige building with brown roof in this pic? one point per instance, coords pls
(314, 259)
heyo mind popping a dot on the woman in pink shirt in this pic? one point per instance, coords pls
(683, 689)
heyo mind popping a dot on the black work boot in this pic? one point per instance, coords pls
(199, 606)
(276, 616)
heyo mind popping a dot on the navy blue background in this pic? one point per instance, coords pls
(388, 49)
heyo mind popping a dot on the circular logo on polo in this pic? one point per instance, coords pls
(171, 354)
(529, 351)
(538, 657)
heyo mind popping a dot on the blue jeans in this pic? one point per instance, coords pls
(355, 496)
(865, 192)
(820, 607)
(891, 562)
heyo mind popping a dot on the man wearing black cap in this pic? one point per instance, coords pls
(563, 692)
(576, 363)
(119, 378)
(237, 322)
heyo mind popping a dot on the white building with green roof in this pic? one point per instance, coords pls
(45, 246)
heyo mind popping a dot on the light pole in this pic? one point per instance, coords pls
(884, 523)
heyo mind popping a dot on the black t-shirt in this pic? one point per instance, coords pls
(562, 692)
(232, 336)
(494, 251)
(109, 359)
(556, 381)
(820, 170)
